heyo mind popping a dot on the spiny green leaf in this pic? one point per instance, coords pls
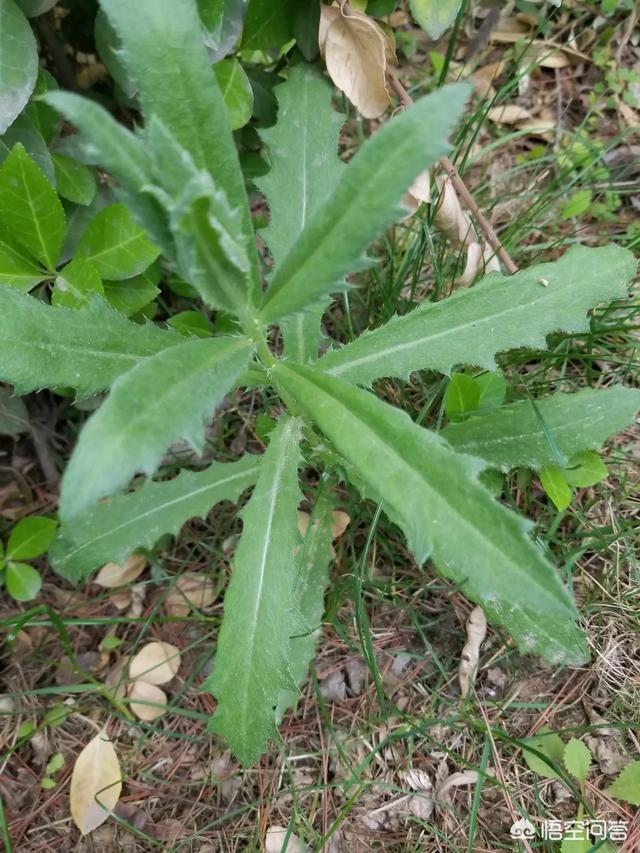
(366, 200)
(30, 210)
(498, 314)
(627, 786)
(45, 347)
(236, 91)
(435, 16)
(433, 493)
(110, 531)
(74, 180)
(75, 285)
(17, 269)
(18, 62)
(31, 537)
(115, 245)
(163, 399)
(252, 663)
(547, 431)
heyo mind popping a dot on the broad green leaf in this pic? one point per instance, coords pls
(17, 269)
(555, 486)
(112, 530)
(115, 245)
(222, 20)
(433, 493)
(498, 314)
(74, 180)
(577, 760)
(586, 468)
(252, 662)
(461, 397)
(268, 25)
(109, 49)
(31, 537)
(191, 323)
(493, 390)
(14, 419)
(308, 597)
(133, 294)
(305, 169)
(18, 62)
(551, 745)
(46, 347)
(435, 16)
(236, 91)
(76, 284)
(577, 205)
(366, 200)
(24, 132)
(547, 431)
(163, 399)
(627, 786)
(179, 87)
(30, 210)
(306, 24)
(23, 581)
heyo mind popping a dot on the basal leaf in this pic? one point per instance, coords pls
(544, 432)
(30, 210)
(74, 180)
(367, 199)
(435, 16)
(252, 663)
(76, 284)
(163, 399)
(17, 269)
(110, 531)
(18, 62)
(45, 347)
(498, 314)
(115, 245)
(433, 493)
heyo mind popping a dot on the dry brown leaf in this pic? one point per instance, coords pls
(136, 605)
(418, 193)
(509, 31)
(546, 56)
(357, 52)
(476, 632)
(466, 777)
(121, 600)
(112, 575)
(482, 79)
(95, 783)
(192, 589)
(340, 523)
(328, 15)
(275, 842)
(156, 663)
(147, 701)
(630, 116)
(508, 114)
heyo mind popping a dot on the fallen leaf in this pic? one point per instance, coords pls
(476, 632)
(275, 842)
(509, 31)
(418, 193)
(112, 575)
(95, 783)
(136, 605)
(191, 589)
(465, 777)
(156, 663)
(147, 701)
(508, 114)
(545, 55)
(121, 600)
(340, 523)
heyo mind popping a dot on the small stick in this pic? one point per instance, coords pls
(461, 188)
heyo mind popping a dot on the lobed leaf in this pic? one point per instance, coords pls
(433, 493)
(46, 347)
(545, 432)
(498, 314)
(161, 400)
(110, 531)
(252, 664)
(18, 63)
(367, 199)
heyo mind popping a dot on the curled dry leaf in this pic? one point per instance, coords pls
(147, 701)
(357, 52)
(95, 783)
(508, 114)
(156, 663)
(276, 841)
(191, 589)
(465, 777)
(476, 632)
(112, 575)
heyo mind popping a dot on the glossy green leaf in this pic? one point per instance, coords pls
(23, 581)
(498, 314)
(76, 284)
(43, 118)
(434, 495)
(163, 399)
(17, 269)
(18, 62)
(268, 25)
(236, 91)
(551, 745)
(24, 132)
(112, 530)
(306, 24)
(493, 390)
(133, 294)
(366, 200)
(192, 323)
(577, 760)
(222, 20)
(115, 245)
(31, 537)
(435, 16)
(74, 180)
(555, 485)
(30, 210)
(543, 432)
(627, 786)
(461, 397)
(252, 662)
(586, 468)
(46, 347)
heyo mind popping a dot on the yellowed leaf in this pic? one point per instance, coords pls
(340, 523)
(95, 784)
(508, 114)
(328, 14)
(191, 589)
(113, 575)
(147, 701)
(156, 663)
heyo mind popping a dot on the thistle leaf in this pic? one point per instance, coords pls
(164, 399)
(110, 531)
(433, 493)
(252, 664)
(498, 314)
